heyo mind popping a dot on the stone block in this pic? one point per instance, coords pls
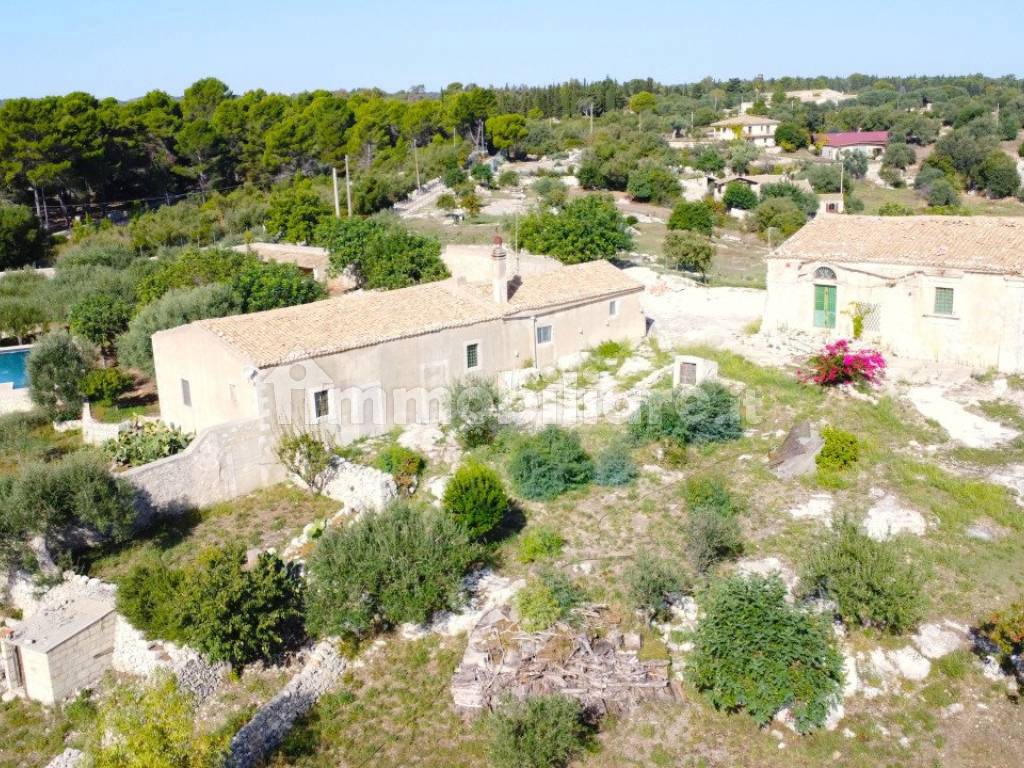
(689, 371)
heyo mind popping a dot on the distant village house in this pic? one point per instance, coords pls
(835, 145)
(759, 131)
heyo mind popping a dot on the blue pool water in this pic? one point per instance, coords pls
(12, 367)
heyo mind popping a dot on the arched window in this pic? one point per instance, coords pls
(824, 273)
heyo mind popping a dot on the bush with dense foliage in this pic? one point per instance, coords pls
(840, 451)
(105, 385)
(295, 211)
(1005, 628)
(698, 216)
(152, 726)
(474, 408)
(56, 367)
(708, 414)
(653, 584)
(176, 307)
(895, 209)
(998, 175)
(539, 543)
(146, 441)
(706, 492)
(711, 537)
(100, 319)
(689, 252)
(651, 182)
(755, 652)
(547, 598)
(476, 499)
(308, 456)
(779, 216)
(399, 565)
(218, 605)
(551, 191)
(21, 317)
(739, 195)
(838, 364)
(259, 286)
(22, 240)
(871, 582)
(381, 253)
(792, 136)
(549, 463)
(614, 465)
(404, 464)
(585, 229)
(539, 732)
(806, 201)
(78, 490)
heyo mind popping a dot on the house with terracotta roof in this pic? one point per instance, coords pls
(835, 145)
(944, 288)
(756, 129)
(362, 362)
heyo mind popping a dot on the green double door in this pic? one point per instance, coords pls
(824, 306)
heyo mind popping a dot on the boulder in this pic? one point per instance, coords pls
(795, 457)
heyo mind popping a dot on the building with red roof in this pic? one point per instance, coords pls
(871, 143)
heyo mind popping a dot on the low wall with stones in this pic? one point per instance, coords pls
(255, 740)
(222, 463)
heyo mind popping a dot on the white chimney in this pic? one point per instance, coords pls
(499, 276)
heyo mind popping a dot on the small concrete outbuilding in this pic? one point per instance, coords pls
(60, 649)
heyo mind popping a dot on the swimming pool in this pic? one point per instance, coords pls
(13, 368)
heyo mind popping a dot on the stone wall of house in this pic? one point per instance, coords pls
(79, 661)
(223, 462)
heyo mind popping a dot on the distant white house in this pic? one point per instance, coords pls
(835, 145)
(716, 186)
(819, 96)
(758, 130)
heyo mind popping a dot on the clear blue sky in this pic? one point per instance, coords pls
(127, 47)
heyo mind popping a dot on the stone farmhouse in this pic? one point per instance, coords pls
(835, 145)
(363, 362)
(759, 131)
(941, 288)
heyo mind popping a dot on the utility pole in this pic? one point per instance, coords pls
(348, 188)
(416, 160)
(337, 202)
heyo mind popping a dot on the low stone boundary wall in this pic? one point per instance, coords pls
(221, 463)
(264, 733)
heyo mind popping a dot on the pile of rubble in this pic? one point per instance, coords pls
(604, 673)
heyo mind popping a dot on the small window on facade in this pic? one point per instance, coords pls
(186, 393)
(613, 308)
(543, 334)
(321, 404)
(472, 356)
(943, 301)
(824, 273)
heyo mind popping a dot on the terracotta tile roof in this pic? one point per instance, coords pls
(744, 119)
(853, 138)
(993, 244)
(367, 318)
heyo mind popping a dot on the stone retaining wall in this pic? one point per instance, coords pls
(258, 738)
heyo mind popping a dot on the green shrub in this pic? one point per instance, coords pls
(710, 538)
(295, 211)
(399, 565)
(540, 732)
(475, 498)
(105, 385)
(22, 240)
(56, 367)
(146, 441)
(652, 584)
(77, 490)
(547, 598)
(755, 652)
(539, 544)
(225, 610)
(708, 414)
(403, 463)
(508, 178)
(870, 581)
(704, 492)
(840, 451)
(614, 466)
(1005, 628)
(549, 463)
(697, 216)
(474, 411)
(307, 456)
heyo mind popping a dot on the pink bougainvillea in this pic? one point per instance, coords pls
(838, 364)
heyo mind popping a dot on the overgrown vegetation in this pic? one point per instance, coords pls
(709, 414)
(549, 463)
(146, 441)
(475, 498)
(541, 732)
